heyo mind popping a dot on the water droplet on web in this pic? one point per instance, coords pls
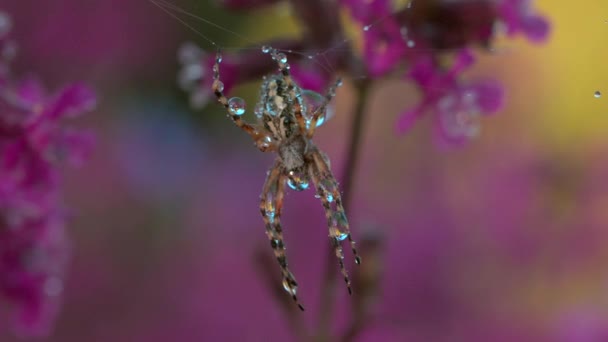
(265, 49)
(311, 102)
(597, 94)
(236, 105)
(411, 43)
(366, 27)
(219, 57)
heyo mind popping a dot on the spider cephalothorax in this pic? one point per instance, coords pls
(287, 119)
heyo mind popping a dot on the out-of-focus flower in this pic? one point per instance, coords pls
(419, 35)
(33, 245)
(456, 106)
(518, 16)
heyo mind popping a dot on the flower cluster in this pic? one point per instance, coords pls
(33, 245)
(420, 35)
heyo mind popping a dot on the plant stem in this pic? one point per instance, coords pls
(348, 176)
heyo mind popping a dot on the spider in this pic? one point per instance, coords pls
(287, 119)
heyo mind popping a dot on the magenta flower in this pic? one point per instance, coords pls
(518, 16)
(456, 106)
(33, 245)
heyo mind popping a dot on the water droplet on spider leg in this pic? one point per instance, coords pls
(236, 105)
(597, 94)
(218, 86)
(266, 49)
(269, 211)
(312, 101)
(290, 288)
(259, 110)
(298, 180)
(341, 236)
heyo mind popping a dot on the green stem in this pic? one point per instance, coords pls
(348, 176)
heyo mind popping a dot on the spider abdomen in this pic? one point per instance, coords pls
(292, 152)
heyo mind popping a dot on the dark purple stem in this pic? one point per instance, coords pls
(348, 176)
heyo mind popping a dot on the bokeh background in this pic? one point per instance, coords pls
(505, 239)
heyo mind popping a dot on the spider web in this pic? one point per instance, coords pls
(319, 58)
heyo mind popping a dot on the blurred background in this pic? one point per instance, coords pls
(505, 239)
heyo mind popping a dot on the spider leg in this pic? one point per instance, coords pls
(271, 205)
(331, 92)
(329, 193)
(263, 141)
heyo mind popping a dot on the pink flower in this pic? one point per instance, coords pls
(33, 246)
(455, 105)
(518, 16)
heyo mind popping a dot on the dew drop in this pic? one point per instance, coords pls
(597, 94)
(330, 198)
(291, 289)
(341, 236)
(411, 43)
(236, 106)
(281, 58)
(366, 27)
(266, 49)
(312, 101)
(218, 85)
(298, 180)
(218, 57)
(298, 184)
(259, 110)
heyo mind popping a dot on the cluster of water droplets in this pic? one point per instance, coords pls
(298, 180)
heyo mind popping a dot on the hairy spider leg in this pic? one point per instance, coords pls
(263, 141)
(281, 60)
(271, 205)
(329, 193)
(331, 92)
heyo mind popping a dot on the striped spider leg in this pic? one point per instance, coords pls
(271, 206)
(287, 117)
(329, 193)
